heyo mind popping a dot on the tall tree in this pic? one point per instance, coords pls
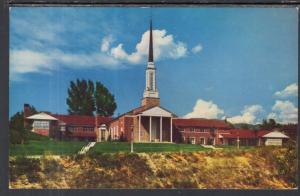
(80, 97)
(105, 101)
(84, 98)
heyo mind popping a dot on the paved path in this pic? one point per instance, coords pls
(210, 146)
(86, 148)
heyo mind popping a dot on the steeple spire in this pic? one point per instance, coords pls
(150, 97)
(150, 56)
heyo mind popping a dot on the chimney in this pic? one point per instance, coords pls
(26, 113)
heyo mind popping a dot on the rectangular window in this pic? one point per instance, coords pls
(41, 124)
(202, 140)
(62, 128)
(193, 140)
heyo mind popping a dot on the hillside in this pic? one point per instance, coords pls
(267, 168)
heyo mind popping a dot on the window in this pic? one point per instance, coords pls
(41, 124)
(62, 128)
(193, 140)
(202, 140)
(151, 81)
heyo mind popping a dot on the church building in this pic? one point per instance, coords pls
(150, 122)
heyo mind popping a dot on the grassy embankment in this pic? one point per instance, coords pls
(52, 147)
(267, 168)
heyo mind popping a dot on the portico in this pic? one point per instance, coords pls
(154, 125)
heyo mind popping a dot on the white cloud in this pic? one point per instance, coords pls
(28, 61)
(248, 115)
(197, 49)
(205, 109)
(106, 41)
(290, 90)
(284, 112)
(164, 47)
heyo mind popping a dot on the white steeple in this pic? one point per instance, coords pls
(150, 89)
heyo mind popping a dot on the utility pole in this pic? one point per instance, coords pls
(131, 142)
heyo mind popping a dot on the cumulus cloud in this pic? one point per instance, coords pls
(197, 49)
(248, 115)
(164, 47)
(290, 90)
(284, 112)
(205, 109)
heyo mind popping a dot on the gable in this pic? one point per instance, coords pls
(157, 111)
(41, 116)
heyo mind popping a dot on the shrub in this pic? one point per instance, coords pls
(25, 166)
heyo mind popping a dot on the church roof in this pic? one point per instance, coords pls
(200, 122)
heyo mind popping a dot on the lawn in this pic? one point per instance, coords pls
(145, 147)
(52, 147)
(46, 147)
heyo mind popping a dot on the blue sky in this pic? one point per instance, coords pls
(241, 63)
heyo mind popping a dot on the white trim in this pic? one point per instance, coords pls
(171, 129)
(150, 127)
(139, 128)
(160, 129)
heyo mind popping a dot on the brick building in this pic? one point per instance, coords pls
(149, 123)
(69, 127)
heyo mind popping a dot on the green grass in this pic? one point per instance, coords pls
(46, 147)
(145, 147)
(234, 147)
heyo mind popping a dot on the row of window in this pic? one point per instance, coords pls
(192, 140)
(81, 128)
(41, 124)
(198, 130)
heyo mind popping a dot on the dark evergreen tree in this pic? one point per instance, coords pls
(105, 101)
(81, 97)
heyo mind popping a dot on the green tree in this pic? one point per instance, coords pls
(81, 97)
(18, 133)
(105, 101)
(269, 124)
(84, 98)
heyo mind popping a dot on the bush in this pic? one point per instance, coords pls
(25, 166)
(36, 137)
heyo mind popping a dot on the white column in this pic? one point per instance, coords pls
(139, 128)
(171, 135)
(150, 127)
(100, 134)
(160, 133)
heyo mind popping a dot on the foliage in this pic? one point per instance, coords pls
(80, 97)
(36, 137)
(84, 98)
(22, 165)
(260, 168)
(269, 124)
(105, 101)
(18, 134)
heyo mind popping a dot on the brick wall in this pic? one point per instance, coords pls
(149, 102)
